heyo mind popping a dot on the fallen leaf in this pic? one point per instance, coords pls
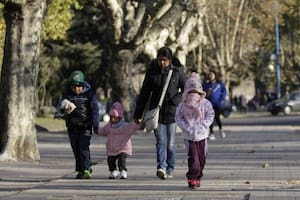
(293, 182)
(252, 151)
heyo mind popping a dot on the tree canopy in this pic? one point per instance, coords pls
(235, 33)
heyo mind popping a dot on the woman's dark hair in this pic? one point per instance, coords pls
(214, 71)
(176, 62)
(217, 75)
(165, 52)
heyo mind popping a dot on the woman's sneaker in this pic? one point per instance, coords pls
(114, 174)
(222, 133)
(123, 174)
(170, 175)
(211, 137)
(161, 174)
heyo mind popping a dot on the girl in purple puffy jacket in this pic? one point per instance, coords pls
(194, 115)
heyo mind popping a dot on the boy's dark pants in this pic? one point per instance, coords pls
(196, 159)
(80, 140)
(111, 161)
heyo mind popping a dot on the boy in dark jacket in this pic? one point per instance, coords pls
(80, 110)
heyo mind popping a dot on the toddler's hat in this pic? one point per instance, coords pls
(116, 110)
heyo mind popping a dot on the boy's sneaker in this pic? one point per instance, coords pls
(114, 174)
(211, 137)
(85, 174)
(79, 175)
(123, 174)
(194, 184)
(222, 133)
(161, 174)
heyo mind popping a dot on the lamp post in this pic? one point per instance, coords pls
(277, 50)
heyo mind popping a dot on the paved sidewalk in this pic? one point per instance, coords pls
(252, 163)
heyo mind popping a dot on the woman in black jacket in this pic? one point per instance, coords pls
(152, 87)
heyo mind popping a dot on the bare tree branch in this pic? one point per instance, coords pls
(116, 13)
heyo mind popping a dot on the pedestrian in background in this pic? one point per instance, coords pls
(78, 106)
(152, 87)
(118, 143)
(243, 103)
(194, 115)
(216, 93)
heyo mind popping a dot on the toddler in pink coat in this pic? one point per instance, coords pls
(118, 143)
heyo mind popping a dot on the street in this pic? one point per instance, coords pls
(264, 119)
(259, 159)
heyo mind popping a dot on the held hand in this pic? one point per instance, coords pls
(137, 121)
(68, 110)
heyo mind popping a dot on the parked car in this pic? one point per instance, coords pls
(287, 104)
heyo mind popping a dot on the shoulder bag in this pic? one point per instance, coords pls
(151, 116)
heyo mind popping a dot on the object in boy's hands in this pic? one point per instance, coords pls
(67, 106)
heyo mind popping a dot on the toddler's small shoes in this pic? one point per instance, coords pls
(114, 174)
(123, 174)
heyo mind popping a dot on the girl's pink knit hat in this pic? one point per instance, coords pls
(193, 83)
(116, 110)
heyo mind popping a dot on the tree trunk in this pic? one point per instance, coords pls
(19, 79)
(122, 80)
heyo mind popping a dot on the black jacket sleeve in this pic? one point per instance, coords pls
(145, 94)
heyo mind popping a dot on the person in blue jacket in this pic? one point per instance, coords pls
(216, 93)
(79, 108)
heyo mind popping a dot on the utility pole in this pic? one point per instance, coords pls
(277, 50)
